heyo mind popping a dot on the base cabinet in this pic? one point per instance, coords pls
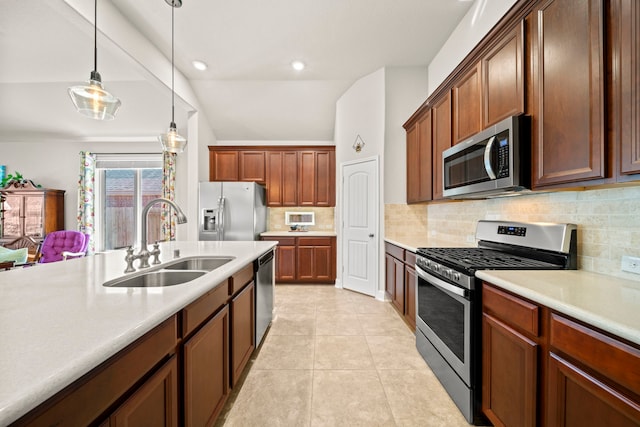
(542, 368)
(401, 281)
(305, 259)
(243, 321)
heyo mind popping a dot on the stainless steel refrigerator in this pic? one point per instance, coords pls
(231, 211)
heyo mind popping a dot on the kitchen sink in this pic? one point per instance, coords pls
(198, 263)
(154, 279)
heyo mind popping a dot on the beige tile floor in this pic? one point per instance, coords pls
(333, 357)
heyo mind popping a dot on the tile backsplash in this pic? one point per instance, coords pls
(325, 218)
(608, 221)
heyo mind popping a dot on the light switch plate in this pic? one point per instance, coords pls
(630, 264)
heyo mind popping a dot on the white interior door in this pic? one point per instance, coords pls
(360, 226)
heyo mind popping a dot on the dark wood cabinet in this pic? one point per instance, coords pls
(567, 91)
(293, 176)
(543, 368)
(503, 78)
(282, 178)
(441, 131)
(206, 371)
(467, 104)
(305, 259)
(242, 330)
(31, 211)
(223, 165)
(155, 403)
(400, 281)
(624, 63)
(251, 166)
(419, 160)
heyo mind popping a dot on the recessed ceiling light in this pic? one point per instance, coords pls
(298, 65)
(199, 65)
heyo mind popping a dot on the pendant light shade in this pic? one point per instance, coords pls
(92, 100)
(172, 141)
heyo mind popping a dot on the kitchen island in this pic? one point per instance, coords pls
(58, 322)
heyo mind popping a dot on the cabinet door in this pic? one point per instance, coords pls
(398, 295)
(567, 91)
(282, 178)
(13, 216)
(502, 78)
(304, 265)
(625, 84)
(390, 276)
(441, 119)
(410, 284)
(575, 398)
(325, 178)
(467, 105)
(242, 331)
(206, 371)
(223, 166)
(34, 215)
(419, 164)
(251, 166)
(509, 371)
(286, 264)
(307, 178)
(155, 403)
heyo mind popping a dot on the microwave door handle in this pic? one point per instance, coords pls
(487, 158)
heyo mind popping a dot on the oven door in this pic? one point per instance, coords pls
(444, 317)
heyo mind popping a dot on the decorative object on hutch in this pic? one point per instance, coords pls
(172, 141)
(92, 100)
(29, 210)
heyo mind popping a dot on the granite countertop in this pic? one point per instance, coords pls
(287, 233)
(606, 302)
(57, 321)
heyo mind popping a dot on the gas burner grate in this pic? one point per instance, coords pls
(480, 258)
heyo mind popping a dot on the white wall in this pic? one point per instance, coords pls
(481, 18)
(405, 90)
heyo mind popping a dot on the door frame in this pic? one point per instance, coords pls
(379, 294)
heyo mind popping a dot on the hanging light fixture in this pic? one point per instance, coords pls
(172, 141)
(92, 100)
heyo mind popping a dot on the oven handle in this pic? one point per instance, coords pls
(441, 283)
(487, 158)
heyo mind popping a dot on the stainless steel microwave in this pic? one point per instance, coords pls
(492, 163)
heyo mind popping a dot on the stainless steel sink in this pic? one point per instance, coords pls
(155, 279)
(198, 263)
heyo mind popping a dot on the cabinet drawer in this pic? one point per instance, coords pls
(198, 311)
(314, 241)
(410, 258)
(514, 311)
(608, 356)
(241, 278)
(394, 251)
(283, 241)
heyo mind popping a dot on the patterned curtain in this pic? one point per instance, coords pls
(168, 215)
(86, 197)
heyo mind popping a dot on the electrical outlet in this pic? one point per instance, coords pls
(630, 264)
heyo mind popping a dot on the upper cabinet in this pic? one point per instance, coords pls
(441, 131)
(567, 91)
(293, 175)
(419, 153)
(624, 48)
(503, 78)
(467, 105)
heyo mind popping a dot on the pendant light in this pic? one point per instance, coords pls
(172, 141)
(92, 100)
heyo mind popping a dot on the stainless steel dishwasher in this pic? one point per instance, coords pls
(263, 267)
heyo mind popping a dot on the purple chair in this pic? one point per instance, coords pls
(62, 245)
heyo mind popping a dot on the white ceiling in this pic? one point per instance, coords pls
(249, 92)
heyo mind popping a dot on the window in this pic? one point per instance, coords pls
(124, 185)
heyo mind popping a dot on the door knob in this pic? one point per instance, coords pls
(371, 235)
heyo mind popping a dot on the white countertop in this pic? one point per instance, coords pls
(57, 321)
(287, 233)
(609, 303)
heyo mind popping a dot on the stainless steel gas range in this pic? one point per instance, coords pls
(448, 301)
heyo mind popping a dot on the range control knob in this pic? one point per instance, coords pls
(446, 273)
(456, 276)
(436, 267)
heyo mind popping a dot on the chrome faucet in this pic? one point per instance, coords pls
(144, 253)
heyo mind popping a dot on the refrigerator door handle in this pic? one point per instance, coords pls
(221, 218)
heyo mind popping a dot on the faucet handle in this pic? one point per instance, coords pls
(129, 258)
(156, 253)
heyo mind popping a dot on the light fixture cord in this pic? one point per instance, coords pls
(95, 36)
(172, 69)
